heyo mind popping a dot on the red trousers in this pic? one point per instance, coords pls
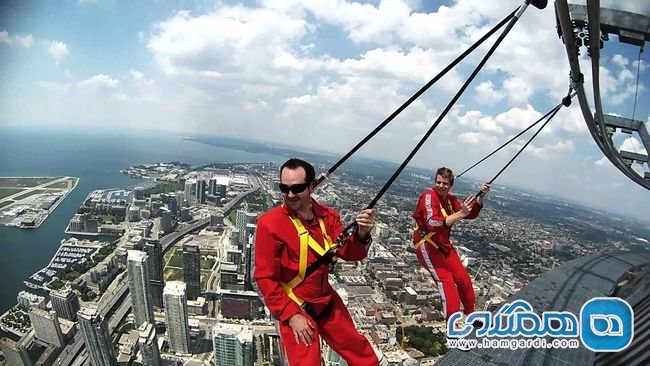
(338, 330)
(451, 277)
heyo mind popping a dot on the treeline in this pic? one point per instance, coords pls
(424, 340)
(165, 187)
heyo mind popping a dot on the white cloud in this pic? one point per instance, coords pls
(620, 60)
(631, 144)
(99, 82)
(58, 50)
(486, 94)
(518, 91)
(325, 73)
(22, 41)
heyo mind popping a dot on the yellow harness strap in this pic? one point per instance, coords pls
(428, 237)
(306, 241)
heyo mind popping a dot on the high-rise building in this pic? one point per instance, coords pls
(233, 345)
(46, 326)
(332, 358)
(172, 205)
(165, 220)
(180, 201)
(96, 337)
(155, 267)
(199, 192)
(138, 193)
(148, 343)
(248, 266)
(242, 219)
(178, 330)
(138, 273)
(190, 185)
(221, 190)
(65, 303)
(212, 186)
(29, 300)
(192, 270)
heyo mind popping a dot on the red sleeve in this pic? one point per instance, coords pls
(268, 252)
(430, 217)
(354, 249)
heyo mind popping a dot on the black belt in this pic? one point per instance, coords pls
(309, 309)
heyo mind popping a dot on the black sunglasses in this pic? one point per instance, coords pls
(296, 188)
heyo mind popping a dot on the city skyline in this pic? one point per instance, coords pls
(264, 70)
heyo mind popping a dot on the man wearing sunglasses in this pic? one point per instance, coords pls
(288, 239)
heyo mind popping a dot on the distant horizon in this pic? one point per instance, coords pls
(358, 159)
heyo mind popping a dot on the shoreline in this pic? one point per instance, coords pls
(51, 209)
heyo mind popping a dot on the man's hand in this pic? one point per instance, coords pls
(366, 221)
(302, 329)
(466, 206)
(485, 188)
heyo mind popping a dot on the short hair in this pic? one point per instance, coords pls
(446, 173)
(295, 163)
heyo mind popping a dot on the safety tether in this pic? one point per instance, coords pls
(415, 96)
(548, 119)
(557, 107)
(340, 241)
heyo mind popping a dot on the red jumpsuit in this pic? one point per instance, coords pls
(277, 252)
(444, 265)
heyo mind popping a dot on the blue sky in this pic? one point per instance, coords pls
(320, 73)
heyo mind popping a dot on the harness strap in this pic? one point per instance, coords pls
(428, 237)
(306, 242)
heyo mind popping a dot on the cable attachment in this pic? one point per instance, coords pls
(575, 82)
(539, 4)
(321, 178)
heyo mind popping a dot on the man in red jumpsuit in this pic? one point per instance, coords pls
(288, 239)
(436, 212)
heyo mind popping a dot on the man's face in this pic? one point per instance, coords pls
(443, 185)
(294, 179)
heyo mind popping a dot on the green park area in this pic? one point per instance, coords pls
(6, 192)
(164, 187)
(29, 194)
(25, 182)
(70, 182)
(5, 203)
(173, 260)
(424, 339)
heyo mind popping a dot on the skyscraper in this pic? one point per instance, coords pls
(46, 326)
(176, 317)
(139, 286)
(189, 191)
(98, 340)
(165, 220)
(233, 345)
(212, 186)
(199, 192)
(248, 265)
(155, 268)
(192, 270)
(148, 343)
(242, 219)
(65, 303)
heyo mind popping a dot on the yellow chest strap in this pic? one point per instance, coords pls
(306, 242)
(428, 237)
